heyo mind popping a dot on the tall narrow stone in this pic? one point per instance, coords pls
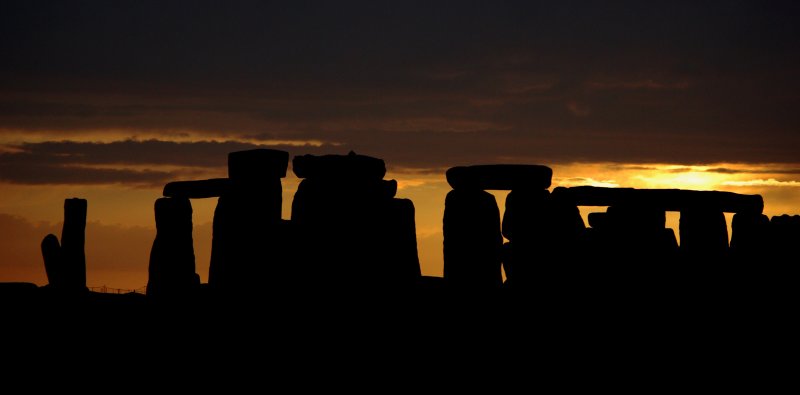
(472, 240)
(73, 240)
(172, 260)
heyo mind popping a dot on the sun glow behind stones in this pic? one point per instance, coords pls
(124, 207)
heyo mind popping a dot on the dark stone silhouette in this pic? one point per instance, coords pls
(257, 165)
(172, 264)
(784, 235)
(353, 235)
(546, 233)
(402, 259)
(526, 222)
(73, 240)
(750, 238)
(351, 166)
(704, 235)
(666, 199)
(501, 177)
(635, 236)
(199, 189)
(66, 264)
(249, 237)
(472, 241)
(528, 208)
(53, 265)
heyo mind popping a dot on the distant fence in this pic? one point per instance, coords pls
(109, 290)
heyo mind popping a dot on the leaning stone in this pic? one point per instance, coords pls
(53, 263)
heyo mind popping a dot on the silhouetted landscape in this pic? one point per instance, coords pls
(350, 240)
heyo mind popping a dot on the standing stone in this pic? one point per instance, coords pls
(750, 237)
(546, 233)
(704, 235)
(637, 235)
(66, 264)
(347, 231)
(472, 240)
(784, 234)
(53, 264)
(73, 240)
(172, 261)
(401, 260)
(249, 244)
(526, 224)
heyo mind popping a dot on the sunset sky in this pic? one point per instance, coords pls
(109, 100)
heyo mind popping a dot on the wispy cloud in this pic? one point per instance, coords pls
(771, 182)
(585, 181)
(648, 84)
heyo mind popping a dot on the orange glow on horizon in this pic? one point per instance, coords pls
(121, 222)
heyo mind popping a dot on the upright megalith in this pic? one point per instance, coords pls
(249, 242)
(704, 235)
(352, 232)
(749, 238)
(172, 263)
(65, 264)
(527, 222)
(472, 240)
(784, 235)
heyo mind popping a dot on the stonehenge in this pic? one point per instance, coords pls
(349, 234)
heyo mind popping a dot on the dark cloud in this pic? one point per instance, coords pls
(725, 170)
(154, 162)
(69, 162)
(424, 85)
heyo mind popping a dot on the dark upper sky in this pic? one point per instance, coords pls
(423, 85)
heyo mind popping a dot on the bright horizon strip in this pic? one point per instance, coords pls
(124, 215)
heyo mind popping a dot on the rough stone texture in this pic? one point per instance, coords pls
(500, 177)
(172, 261)
(472, 240)
(351, 166)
